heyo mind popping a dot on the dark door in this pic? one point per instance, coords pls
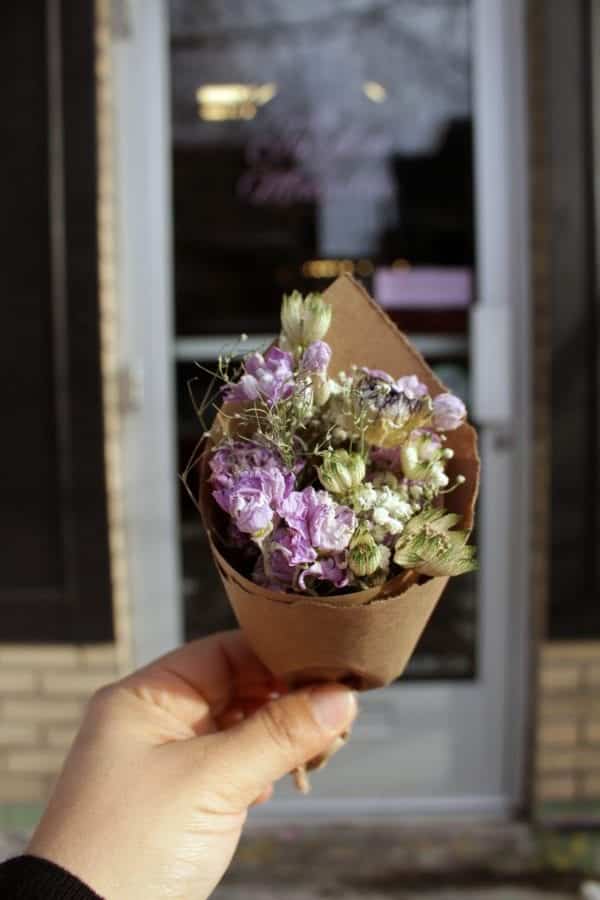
(54, 571)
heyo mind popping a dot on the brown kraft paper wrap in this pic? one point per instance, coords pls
(366, 638)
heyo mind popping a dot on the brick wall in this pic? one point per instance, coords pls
(567, 757)
(43, 691)
(565, 739)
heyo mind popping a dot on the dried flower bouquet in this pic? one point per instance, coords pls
(337, 486)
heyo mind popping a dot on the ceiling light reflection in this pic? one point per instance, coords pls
(374, 91)
(226, 102)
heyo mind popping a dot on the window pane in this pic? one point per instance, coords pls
(308, 140)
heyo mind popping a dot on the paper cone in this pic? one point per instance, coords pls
(366, 638)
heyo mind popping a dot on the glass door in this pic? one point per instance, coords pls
(314, 139)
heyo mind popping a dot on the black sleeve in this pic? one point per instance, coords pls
(32, 878)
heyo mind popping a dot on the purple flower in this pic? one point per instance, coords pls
(247, 503)
(283, 554)
(288, 560)
(411, 387)
(378, 374)
(293, 545)
(386, 458)
(329, 568)
(236, 457)
(280, 576)
(449, 412)
(327, 525)
(238, 539)
(316, 358)
(254, 496)
(246, 389)
(331, 525)
(269, 378)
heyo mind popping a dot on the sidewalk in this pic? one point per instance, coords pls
(447, 861)
(507, 892)
(438, 861)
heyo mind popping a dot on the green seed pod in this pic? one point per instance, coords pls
(292, 316)
(304, 320)
(364, 557)
(317, 319)
(342, 471)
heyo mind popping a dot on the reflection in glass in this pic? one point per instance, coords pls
(312, 139)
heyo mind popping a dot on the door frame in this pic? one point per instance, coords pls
(144, 275)
(502, 311)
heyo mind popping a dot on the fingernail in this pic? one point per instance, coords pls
(333, 706)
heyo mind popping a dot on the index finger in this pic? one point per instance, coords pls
(219, 668)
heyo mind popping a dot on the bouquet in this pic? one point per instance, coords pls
(337, 486)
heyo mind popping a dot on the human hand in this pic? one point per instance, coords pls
(156, 788)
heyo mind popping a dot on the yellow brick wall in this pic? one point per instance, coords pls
(564, 766)
(567, 752)
(43, 691)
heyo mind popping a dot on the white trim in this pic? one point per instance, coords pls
(208, 348)
(142, 151)
(500, 115)
(202, 348)
(313, 808)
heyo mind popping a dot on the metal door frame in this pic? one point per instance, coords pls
(501, 347)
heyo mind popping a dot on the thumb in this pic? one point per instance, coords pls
(281, 736)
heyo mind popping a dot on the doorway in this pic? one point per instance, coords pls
(388, 140)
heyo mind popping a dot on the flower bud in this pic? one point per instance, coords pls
(385, 479)
(341, 471)
(364, 557)
(339, 434)
(416, 491)
(317, 319)
(437, 477)
(292, 316)
(304, 320)
(321, 387)
(411, 464)
(316, 358)
(449, 412)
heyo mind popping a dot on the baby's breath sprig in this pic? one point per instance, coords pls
(345, 474)
(282, 424)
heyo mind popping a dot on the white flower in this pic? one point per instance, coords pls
(429, 450)
(395, 504)
(395, 526)
(321, 388)
(410, 459)
(335, 388)
(385, 555)
(400, 508)
(437, 477)
(379, 533)
(364, 497)
(381, 516)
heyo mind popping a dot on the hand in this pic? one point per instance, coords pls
(156, 788)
